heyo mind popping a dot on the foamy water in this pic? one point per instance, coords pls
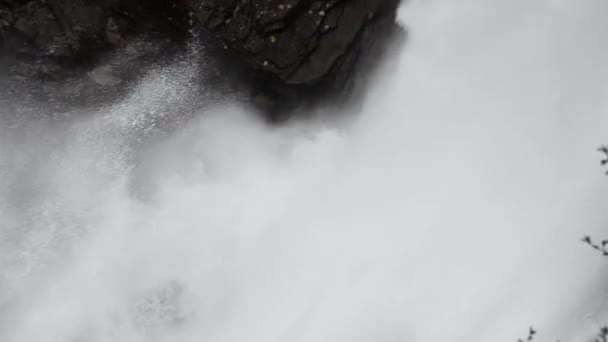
(449, 207)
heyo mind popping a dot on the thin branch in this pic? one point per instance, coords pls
(601, 247)
(604, 149)
(531, 334)
(602, 336)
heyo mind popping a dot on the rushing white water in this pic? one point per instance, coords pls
(450, 207)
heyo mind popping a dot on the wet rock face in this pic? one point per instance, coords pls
(280, 54)
(300, 53)
(299, 42)
(66, 31)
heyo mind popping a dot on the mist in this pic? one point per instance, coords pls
(447, 206)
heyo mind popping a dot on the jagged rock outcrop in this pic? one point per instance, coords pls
(298, 41)
(287, 52)
(65, 32)
(300, 50)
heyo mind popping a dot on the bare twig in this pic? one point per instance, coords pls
(601, 247)
(531, 334)
(602, 336)
(604, 149)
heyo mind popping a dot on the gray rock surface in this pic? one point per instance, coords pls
(300, 42)
(67, 31)
(282, 53)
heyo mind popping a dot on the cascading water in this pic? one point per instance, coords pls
(449, 207)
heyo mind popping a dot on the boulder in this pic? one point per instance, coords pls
(284, 53)
(300, 42)
(300, 51)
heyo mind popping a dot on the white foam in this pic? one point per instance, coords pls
(450, 208)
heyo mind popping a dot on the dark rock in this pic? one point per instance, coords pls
(298, 41)
(298, 51)
(283, 53)
(68, 32)
(113, 33)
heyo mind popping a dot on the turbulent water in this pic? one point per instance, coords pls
(449, 206)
